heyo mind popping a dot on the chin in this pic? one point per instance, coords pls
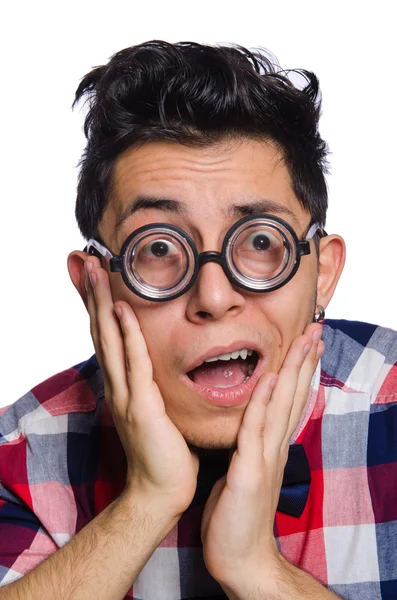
(221, 440)
(213, 429)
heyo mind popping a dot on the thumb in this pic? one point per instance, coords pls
(211, 503)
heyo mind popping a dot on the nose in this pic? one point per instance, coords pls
(213, 296)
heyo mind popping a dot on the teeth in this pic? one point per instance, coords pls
(227, 356)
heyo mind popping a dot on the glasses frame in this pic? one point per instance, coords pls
(117, 263)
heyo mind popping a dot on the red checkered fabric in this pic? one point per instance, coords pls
(61, 463)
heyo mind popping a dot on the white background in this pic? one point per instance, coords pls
(46, 47)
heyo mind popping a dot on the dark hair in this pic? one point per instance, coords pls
(195, 94)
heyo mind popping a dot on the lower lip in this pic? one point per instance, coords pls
(232, 396)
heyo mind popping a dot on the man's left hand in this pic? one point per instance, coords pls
(239, 547)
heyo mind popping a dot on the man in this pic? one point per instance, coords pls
(204, 451)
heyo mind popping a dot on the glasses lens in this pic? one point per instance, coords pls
(159, 262)
(261, 254)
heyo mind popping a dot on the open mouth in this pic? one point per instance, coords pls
(226, 370)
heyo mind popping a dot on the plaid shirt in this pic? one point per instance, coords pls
(61, 463)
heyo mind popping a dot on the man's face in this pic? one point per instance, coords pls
(213, 316)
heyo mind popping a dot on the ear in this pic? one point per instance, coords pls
(76, 260)
(331, 262)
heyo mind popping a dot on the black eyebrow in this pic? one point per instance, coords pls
(142, 202)
(261, 207)
(235, 210)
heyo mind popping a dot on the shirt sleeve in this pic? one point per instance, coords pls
(39, 475)
(23, 542)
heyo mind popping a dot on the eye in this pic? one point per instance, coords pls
(159, 249)
(261, 241)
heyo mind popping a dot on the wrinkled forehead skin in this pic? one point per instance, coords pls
(207, 182)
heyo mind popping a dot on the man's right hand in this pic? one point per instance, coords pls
(103, 560)
(162, 470)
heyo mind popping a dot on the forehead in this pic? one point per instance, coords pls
(205, 182)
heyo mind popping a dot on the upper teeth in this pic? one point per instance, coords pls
(243, 353)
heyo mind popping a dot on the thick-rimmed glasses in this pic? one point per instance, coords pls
(160, 262)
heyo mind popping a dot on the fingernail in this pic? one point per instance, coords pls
(93, 279)
(88, 266)
(306, 349)
(118, 311)
(317, 335)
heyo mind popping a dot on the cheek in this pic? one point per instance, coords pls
(151, 316)
(159, 341)
(158, 323)
(119, 289)
(288, 311)
(295, 301)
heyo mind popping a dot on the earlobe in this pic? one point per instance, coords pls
(331, 262)
(76, 260)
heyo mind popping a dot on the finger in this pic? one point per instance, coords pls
(250, 435)
(280, 406)
(108, 334)
(304, 379)
(139, 369)
(92, 312)
(91, 307)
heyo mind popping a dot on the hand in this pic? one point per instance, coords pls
(237, 525)
(161, 467)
